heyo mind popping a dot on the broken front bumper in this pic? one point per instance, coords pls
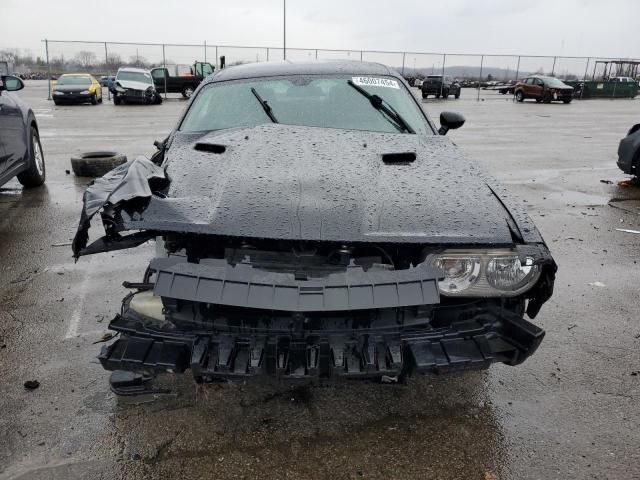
(475, 343)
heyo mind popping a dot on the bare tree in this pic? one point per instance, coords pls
(114, 60)
(85, 58)
(138, 61)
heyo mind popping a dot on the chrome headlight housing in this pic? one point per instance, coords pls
(484, 273)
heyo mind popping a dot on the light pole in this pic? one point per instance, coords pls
(284, 29)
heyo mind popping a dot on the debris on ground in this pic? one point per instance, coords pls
(626, 230)
(66, 244)
(105, 338)
(572, 326)
(596, 284)
(31, 384)
(608, 182)
(635, 373)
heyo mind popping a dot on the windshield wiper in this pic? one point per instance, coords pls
(382, 105)
(265, 106)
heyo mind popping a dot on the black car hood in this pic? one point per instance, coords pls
(304, 183)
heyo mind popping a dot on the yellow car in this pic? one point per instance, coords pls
(77, 88)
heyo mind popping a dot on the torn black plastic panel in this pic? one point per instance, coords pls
(135, 180)
(217, 282)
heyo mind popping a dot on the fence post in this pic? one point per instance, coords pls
(404, 54)
(46, 50)
(444, 60)
(316, 53)
(267, 54)
(205, 52)
(518, 68)
(106, 64)
(360, 55)
(480, 79)
(217, 58)
(164, 65)
(586, 72)
(553, 68)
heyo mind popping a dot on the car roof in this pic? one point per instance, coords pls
(287, 67)
(76, 75)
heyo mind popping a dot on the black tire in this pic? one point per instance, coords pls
(445, 94)
(520, 96)
(116, 100)
(96, 164)
(566, 101)
(56, 103)
(546, 98)
(424, 95)
(157, 99)
(457, 95)
(94, 99)
(35, 175)
(187, 91)
(437, 95)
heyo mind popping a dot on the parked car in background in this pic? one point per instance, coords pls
(439, 85)
(182, 79)
(417, 83)
(77, 88)
(306, 235)
(134, 85)
(107, 81)
(20, 150)
(543, 89)
(629, 152)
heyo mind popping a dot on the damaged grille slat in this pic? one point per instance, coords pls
(245, 286)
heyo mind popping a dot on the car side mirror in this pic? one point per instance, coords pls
(11, 83)
(450, 121)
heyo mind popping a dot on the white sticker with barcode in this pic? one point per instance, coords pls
(375, 82)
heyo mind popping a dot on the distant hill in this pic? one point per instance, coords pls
(468, 72)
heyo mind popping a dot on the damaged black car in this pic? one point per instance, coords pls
(312, 223)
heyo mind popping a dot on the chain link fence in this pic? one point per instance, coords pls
(477, 70)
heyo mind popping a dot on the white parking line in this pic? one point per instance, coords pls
(74, 323)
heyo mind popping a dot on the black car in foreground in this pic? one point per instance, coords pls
(313, 223)
(20, 150)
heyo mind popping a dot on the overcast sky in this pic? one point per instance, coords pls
(542, 27)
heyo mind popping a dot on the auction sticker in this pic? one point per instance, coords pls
(375, 82)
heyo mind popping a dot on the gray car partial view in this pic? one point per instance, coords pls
(629, 152)
(20, 150)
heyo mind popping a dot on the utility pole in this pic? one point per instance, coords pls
(284, 29)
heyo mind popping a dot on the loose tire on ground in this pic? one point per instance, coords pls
(96, 164)
(35, 175)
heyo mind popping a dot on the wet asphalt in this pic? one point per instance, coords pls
(572, 411)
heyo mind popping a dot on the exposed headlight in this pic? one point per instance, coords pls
(147, 304)
(118, 88)
(484, 273)
(85, 92)
(56, 92)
